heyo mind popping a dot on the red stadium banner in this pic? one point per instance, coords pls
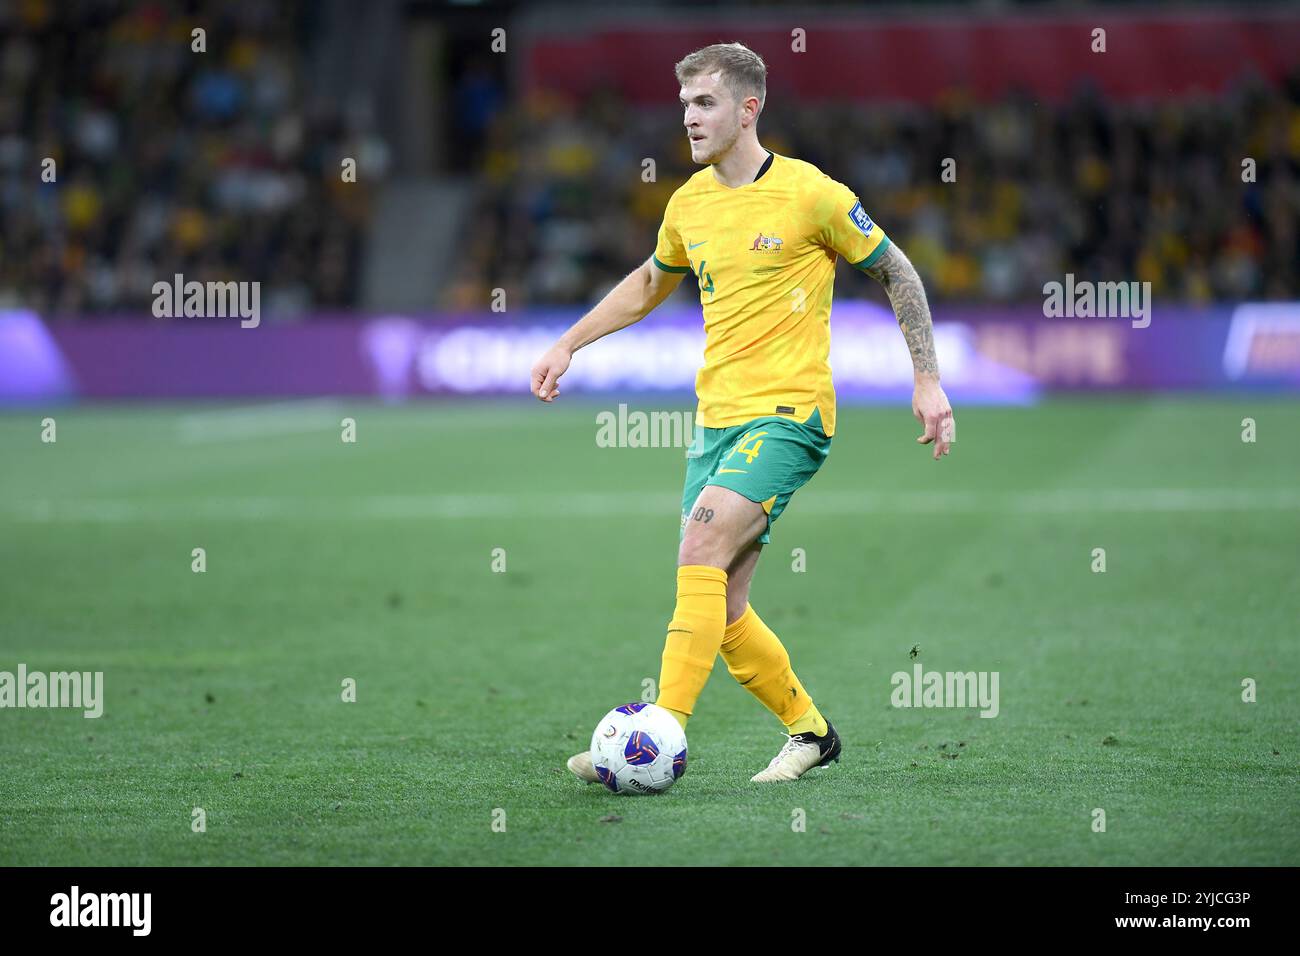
(921, 57)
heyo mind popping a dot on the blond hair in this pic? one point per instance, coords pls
(743, 71)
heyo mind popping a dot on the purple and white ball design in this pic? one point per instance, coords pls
(638, 748)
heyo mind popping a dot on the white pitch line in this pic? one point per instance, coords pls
(451, 507)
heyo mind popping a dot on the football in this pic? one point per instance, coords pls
(638, 748)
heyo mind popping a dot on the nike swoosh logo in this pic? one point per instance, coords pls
(732, 471)
(695, 245)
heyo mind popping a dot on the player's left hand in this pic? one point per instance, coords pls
(931, 408)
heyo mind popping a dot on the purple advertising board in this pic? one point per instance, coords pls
(986, 355)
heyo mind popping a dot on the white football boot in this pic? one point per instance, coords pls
(801, 753)
(581, 767)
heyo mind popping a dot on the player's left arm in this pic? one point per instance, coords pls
(842, 226)
(895, 272)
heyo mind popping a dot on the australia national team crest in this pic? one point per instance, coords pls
(861, 219)
(764, 243)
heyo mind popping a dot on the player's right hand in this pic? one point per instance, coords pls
(547, 371)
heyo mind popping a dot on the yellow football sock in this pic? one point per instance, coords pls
(811, 720)
(678, 716)
(759, 662)
(694, 636)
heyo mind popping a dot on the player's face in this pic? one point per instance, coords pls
(712, 118)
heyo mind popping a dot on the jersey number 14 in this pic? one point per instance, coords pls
(705, 278)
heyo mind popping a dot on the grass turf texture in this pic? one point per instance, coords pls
(372, 560)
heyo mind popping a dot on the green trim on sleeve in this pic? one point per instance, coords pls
(677, 269)
(870, 260)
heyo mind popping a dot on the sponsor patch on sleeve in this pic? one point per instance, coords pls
(861, 219)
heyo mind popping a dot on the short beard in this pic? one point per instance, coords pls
(721, 151)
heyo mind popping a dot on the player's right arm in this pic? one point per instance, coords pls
(628, 302)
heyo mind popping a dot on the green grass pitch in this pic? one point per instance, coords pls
(374, 561)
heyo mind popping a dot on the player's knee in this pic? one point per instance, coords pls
(702, 549)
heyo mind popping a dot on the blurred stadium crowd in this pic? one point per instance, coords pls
(226, 166)
(218, 165)
(1153, 192)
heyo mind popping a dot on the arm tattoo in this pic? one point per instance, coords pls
(906, 294)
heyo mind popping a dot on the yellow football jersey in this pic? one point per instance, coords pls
(764, 255)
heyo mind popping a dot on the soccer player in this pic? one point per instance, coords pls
(761, 233)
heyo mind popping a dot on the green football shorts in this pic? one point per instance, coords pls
(767, 460)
